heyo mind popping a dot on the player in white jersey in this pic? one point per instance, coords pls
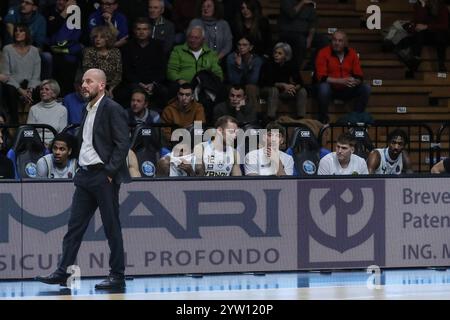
(343, 161)
(217, 157)
(61, 163)
(393, 159)
(270, 160)
(178, 163)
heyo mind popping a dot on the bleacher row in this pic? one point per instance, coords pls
(426, 97)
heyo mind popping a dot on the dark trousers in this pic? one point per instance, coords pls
(325, 93)
(93, 190)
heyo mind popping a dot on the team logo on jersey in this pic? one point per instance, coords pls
(31, 170)
(309, 167)
(210, 166)
(148, 168)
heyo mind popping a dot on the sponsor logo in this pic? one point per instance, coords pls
(342, 224)
(193, 221)
(305, 134)
(28, 134)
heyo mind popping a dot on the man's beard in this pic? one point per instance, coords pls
(89, 97)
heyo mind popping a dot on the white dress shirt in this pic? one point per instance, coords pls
(88, 155)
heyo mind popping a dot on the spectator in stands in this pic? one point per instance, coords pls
(297, 24)
(62, 162)
(217, 157)
(27, 13)
(108, 15)
(48, 111)
(180, 162)
(64, 45)
(183, 13)
(243, 67)
(75, 104)
(144, 66)
(236, 106)
(280, 80)
(193, 56)
(343, 161)
(393, 159)
(251, 23)
(22, 66)
(339, 75)
(161, 28)
(103, 55)
(182, 110)
(6, 165)
(218, 32)
(431, 26)
(442, 166)
(139, 113)
(270, 160)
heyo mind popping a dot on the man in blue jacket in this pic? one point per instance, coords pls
(27, 12)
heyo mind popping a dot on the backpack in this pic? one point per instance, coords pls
(400, 30)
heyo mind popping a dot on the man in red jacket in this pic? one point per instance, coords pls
(339, 75)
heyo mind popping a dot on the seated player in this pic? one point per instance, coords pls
(393, 159)
(61, 163)
(178, 163)
(343, 161)
(217, 156)
(270, 160)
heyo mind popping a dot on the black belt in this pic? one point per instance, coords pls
(93, 167)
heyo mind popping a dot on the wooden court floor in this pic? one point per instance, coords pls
(405, 284)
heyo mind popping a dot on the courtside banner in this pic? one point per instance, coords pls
(418, 222)
(218, 226)
(10, 230)
(169, 227)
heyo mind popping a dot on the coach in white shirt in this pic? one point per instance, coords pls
(343, 161)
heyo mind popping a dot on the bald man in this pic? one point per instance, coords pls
(339, 76)
(103, 137)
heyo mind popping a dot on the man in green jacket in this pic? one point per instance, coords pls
(191, 57)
